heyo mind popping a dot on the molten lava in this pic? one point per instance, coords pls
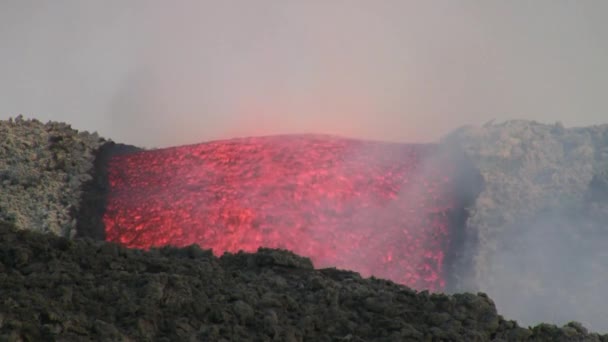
(377, 208)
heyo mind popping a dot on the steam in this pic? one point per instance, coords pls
(552, 270)
(536, 232)
(432, 184)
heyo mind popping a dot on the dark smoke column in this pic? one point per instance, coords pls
(381, 209)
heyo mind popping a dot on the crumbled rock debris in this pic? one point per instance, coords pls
(54, 288)
(42, 168)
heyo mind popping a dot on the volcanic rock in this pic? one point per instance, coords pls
(42, 169)
(52, 288)
(534, 240)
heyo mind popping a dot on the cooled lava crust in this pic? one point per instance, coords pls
(391, 210)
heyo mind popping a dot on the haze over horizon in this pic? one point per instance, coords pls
(156, 74)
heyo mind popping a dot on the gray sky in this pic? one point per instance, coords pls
(159, 73)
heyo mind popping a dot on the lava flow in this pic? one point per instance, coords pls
(377, 208)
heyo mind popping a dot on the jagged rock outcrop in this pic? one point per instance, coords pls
(42, 169)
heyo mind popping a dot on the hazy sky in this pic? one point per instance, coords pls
(158, 73)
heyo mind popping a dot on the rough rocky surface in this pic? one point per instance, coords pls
(535, 243)
(42, 169)
(54, 288)
(537, 233)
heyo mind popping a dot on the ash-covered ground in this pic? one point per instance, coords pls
(534, 242)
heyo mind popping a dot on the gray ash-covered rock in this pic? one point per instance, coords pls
(54, 288)
(537, 233)
(42, 169)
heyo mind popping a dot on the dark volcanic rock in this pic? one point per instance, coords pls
(52, 288)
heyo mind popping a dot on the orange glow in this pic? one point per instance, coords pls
(366, 206)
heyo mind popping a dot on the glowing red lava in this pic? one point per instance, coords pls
(376, 208)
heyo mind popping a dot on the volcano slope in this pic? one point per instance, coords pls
(78, 289)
